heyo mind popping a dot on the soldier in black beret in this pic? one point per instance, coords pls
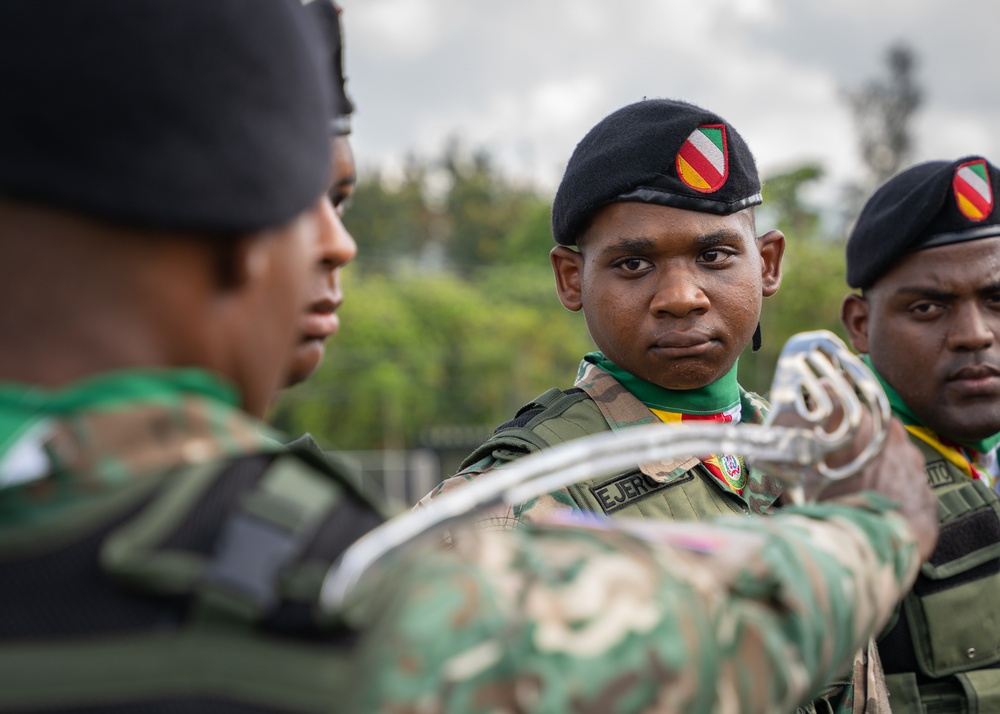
(657, 245)
(925, 254)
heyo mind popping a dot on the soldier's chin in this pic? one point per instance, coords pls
(306, 360)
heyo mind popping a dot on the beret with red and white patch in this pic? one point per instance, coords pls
(661, 151)
(931, 204)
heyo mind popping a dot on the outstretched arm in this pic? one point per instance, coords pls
(672, 617)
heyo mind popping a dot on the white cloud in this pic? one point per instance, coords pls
(950, 133)
(526, 79)
(404, 29)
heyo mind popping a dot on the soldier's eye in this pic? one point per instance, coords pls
(925, 309)
(715, 257)
(632, 265)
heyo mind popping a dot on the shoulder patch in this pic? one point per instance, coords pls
(522, 418)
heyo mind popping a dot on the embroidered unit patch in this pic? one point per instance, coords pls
(728, 469)
(703, 161)
(973, 191)
(731, 465)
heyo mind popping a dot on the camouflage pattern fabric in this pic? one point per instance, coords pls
(750, 616)
(170, 559)
(98, 452)
(861, 691)
(621, 410)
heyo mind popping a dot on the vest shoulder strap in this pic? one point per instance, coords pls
(534, 427)
(245, 536)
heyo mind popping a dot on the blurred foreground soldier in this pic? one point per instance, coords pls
(925, 254)
(158, 553)
(162, 208)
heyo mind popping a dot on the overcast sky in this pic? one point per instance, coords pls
(526, 79)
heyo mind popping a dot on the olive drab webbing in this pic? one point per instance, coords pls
(202, 565)
(682, 490)
(942, 654)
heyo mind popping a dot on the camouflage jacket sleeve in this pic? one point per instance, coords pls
(753, 615)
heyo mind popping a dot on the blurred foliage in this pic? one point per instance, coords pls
(451, 316)
(420, 349)
(812, 284)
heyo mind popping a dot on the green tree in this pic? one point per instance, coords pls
(491, 220)
(421, 350)
(391, 220)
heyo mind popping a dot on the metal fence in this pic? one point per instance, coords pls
(401, 477)
(397, 478)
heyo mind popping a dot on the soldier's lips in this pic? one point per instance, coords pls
(318, 325)
(977, 381)
(683, 344)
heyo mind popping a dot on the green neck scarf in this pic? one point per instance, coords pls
(900, 410)
(715, 398)
(24, 406)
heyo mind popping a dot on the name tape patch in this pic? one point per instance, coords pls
(624, 490)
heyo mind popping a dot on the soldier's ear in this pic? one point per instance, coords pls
(771, 246)
(239, 260)
(232, 258)
(854, 315)
(567, 264)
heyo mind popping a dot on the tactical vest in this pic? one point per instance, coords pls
(193, 591)
(682, 491)
(942, 653)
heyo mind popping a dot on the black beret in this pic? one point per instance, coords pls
(931, 204)
(660, 151)
(327, 17)
(202, 115)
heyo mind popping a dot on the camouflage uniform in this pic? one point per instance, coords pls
(681, 489)
(666, 617)
(171, 556)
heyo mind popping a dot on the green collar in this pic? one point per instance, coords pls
(23, 406)
(715, 398)
(900, 410)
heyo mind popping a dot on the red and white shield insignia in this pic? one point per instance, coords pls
(973, 190)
